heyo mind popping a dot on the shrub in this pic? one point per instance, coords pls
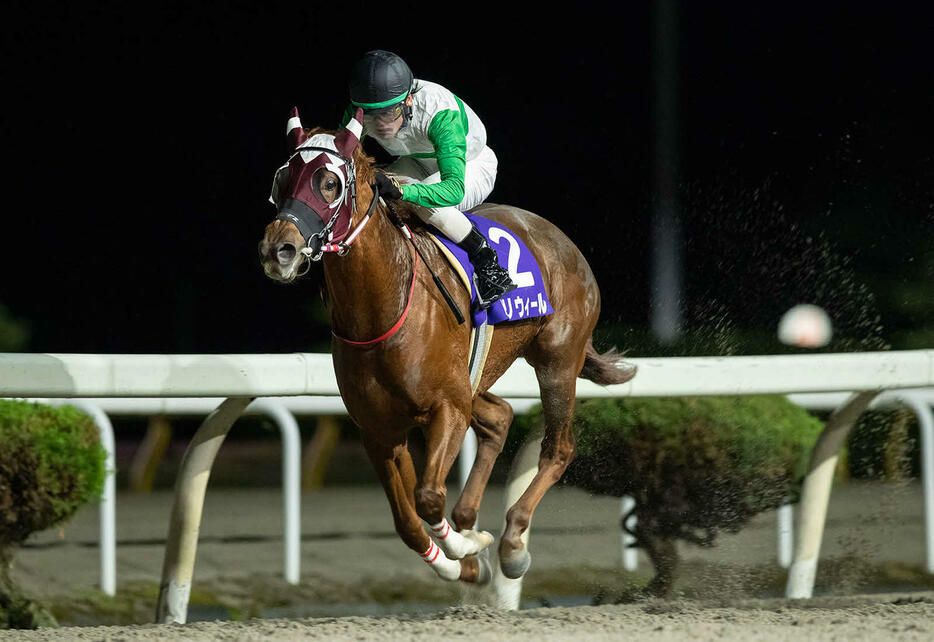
(694, 466)
(51, 463)
(885, 444)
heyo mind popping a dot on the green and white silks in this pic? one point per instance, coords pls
(443, 148)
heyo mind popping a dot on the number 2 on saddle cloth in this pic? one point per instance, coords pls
(529, 299)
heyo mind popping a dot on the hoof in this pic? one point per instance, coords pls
(486, 569)
(516, 565)
(480, 540)
(476, 569)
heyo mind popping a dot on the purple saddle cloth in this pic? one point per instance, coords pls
(526, 301)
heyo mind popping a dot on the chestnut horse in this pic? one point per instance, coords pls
(401, 358)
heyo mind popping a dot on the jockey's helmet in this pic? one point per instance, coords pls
(379, 82)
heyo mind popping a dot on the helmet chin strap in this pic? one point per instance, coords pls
(406, 113)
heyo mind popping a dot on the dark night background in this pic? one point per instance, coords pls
(139, 145)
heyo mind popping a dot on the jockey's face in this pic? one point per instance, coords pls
(386, 123)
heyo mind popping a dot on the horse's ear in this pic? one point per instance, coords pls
(348, 138)
(294, 129)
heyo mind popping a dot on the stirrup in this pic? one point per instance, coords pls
(495, 278)
(494, 291)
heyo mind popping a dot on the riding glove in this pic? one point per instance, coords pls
(389, 189)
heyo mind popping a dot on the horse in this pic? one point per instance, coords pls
(401, 357)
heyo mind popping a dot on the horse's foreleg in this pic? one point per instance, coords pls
(558, 390)
(393, 466)
(443, 439)
(491, 419)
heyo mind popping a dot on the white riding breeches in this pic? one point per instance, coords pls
(479, 177)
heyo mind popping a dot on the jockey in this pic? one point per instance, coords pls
(438, 141)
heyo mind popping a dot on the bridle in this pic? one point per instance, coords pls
(315, 245)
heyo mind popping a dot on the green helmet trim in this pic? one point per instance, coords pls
(380, 105)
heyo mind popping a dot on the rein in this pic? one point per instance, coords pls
(407, 233)
(343, 246)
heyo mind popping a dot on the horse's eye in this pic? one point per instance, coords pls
(325, 185)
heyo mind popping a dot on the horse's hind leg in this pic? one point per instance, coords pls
(393, 465)
(491, 418)
(558, 385)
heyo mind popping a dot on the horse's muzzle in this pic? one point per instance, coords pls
(279, 252)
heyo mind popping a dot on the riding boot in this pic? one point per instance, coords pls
(491, 280)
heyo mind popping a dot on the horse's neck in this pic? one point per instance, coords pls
(369, 286)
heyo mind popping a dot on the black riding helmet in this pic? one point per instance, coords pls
(379, 80)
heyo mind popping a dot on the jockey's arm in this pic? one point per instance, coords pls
(449, 137)
(448, 134)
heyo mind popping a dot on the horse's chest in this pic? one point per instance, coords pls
(380, 391)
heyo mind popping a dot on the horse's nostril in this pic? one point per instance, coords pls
(285, 253)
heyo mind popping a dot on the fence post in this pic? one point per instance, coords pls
(319, 451)
(785, 519)
(507, 593)
(182, 540)
(926, 445)
(108, 508)
(815, 494)
(291, 483)
(630, 555)
(467, 456)
(149, 455)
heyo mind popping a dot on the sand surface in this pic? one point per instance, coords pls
(905, 620)
(352, 563)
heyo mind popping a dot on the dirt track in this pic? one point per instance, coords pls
(352, 563)
(767, 620)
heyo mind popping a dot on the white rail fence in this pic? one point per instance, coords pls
(240, 378)
(280, 410)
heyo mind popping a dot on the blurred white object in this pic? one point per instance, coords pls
(805, 326)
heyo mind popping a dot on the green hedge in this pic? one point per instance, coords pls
(885, 444)
(752, 431)
(694, 465)
(51, 463)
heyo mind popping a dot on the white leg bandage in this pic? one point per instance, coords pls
(447, 569)
(458, 545)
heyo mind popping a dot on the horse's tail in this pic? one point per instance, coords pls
(607, 368)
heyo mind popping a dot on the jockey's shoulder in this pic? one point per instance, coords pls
(432, 97)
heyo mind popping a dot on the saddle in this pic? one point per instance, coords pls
(528, 300)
